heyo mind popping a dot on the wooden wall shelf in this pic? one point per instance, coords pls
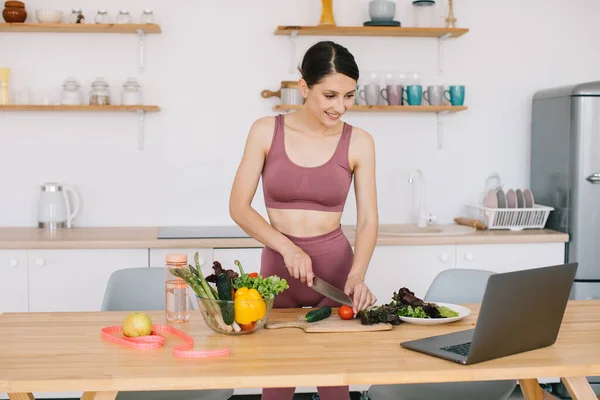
(78, 108)
(290, 30)
(140, 110)
(81, 28)
(419, 109)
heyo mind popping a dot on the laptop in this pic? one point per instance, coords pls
(520, 311)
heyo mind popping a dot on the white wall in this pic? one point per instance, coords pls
(207, 70)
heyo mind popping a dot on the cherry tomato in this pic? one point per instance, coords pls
(345, 312)
(248, 327)
(253, 275)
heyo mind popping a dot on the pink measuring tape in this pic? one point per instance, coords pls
(155, 341)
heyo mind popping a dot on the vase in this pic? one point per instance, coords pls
(327, 18)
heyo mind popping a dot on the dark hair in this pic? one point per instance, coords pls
(324, 58)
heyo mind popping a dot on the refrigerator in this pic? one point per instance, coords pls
(565, 174)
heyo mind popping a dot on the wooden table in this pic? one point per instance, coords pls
(62, 352)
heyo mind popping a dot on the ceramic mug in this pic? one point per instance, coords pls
(392, 94)
(414, 95)
(434, 95)
(370, 94)
(456, 95)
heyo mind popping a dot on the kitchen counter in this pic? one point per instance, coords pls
(147, 237)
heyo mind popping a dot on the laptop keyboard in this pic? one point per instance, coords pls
(461, 349)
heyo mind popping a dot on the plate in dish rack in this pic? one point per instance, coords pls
(462, 313)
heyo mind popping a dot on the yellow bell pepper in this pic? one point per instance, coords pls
(249, 306)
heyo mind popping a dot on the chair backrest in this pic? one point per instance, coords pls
(458, 286)
(135, 289)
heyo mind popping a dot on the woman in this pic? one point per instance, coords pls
(307, 161)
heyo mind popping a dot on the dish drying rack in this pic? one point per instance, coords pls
(514, 219)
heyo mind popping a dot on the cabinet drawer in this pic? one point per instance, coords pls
(509, 257)
(413, 267)
(75, 280)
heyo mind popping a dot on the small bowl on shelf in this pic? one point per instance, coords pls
(235, 317)
(382, 10)
(47, 16)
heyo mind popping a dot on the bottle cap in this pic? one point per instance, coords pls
(177, 258)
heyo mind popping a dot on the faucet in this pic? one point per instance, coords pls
(422, 219)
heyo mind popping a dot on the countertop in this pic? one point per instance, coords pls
(147, 237)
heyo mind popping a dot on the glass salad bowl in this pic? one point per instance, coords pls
(244, 315)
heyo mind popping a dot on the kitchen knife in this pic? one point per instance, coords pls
(330, 291)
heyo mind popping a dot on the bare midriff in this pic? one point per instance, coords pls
(304, 223)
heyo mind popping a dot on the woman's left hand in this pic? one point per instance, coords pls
(360, 293)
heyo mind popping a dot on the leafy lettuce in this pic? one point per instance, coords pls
(267, 287)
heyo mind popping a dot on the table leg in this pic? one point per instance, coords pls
(579, 388)
(99, 396)
(532, 390)
(21, 396)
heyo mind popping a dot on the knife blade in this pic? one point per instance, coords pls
(330, 291)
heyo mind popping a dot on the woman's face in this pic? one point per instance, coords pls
(329, 99)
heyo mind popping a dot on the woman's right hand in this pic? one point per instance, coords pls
(298, 264)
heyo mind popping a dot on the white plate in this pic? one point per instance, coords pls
(462, 313)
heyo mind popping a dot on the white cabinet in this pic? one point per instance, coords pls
(13, 281)
(75, 280)
(158, 257)
(249, 258)
(413, 267)
(509, 257)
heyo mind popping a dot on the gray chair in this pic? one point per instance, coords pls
(457, 286)
(143, 289)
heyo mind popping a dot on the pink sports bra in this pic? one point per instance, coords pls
(287, 185)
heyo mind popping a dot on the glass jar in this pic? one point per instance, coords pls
(71, 93)
(132, 93)
(124, 17)
(76, 16)
(100, 94)
(424, 13)
(102, 17)
(147, 17)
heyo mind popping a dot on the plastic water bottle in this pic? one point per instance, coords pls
(176, 291)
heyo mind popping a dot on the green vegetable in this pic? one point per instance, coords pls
(446, 312)
(318, 314)
(409, 311)
(267, 287)
(225, 292)
(387, 314)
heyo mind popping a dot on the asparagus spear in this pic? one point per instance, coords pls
(205, 284)
(239, 264)
(192, 280)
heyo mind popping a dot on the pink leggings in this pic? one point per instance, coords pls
(331, 256)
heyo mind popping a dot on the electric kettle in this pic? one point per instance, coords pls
(55, 209)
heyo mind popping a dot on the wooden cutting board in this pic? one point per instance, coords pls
(332, 324)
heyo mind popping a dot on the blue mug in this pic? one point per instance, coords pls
(414, 95)
(456, 95)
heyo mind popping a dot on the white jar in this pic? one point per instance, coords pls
(124, 17)
(71, 94)
(132, 93)
(424, 13)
